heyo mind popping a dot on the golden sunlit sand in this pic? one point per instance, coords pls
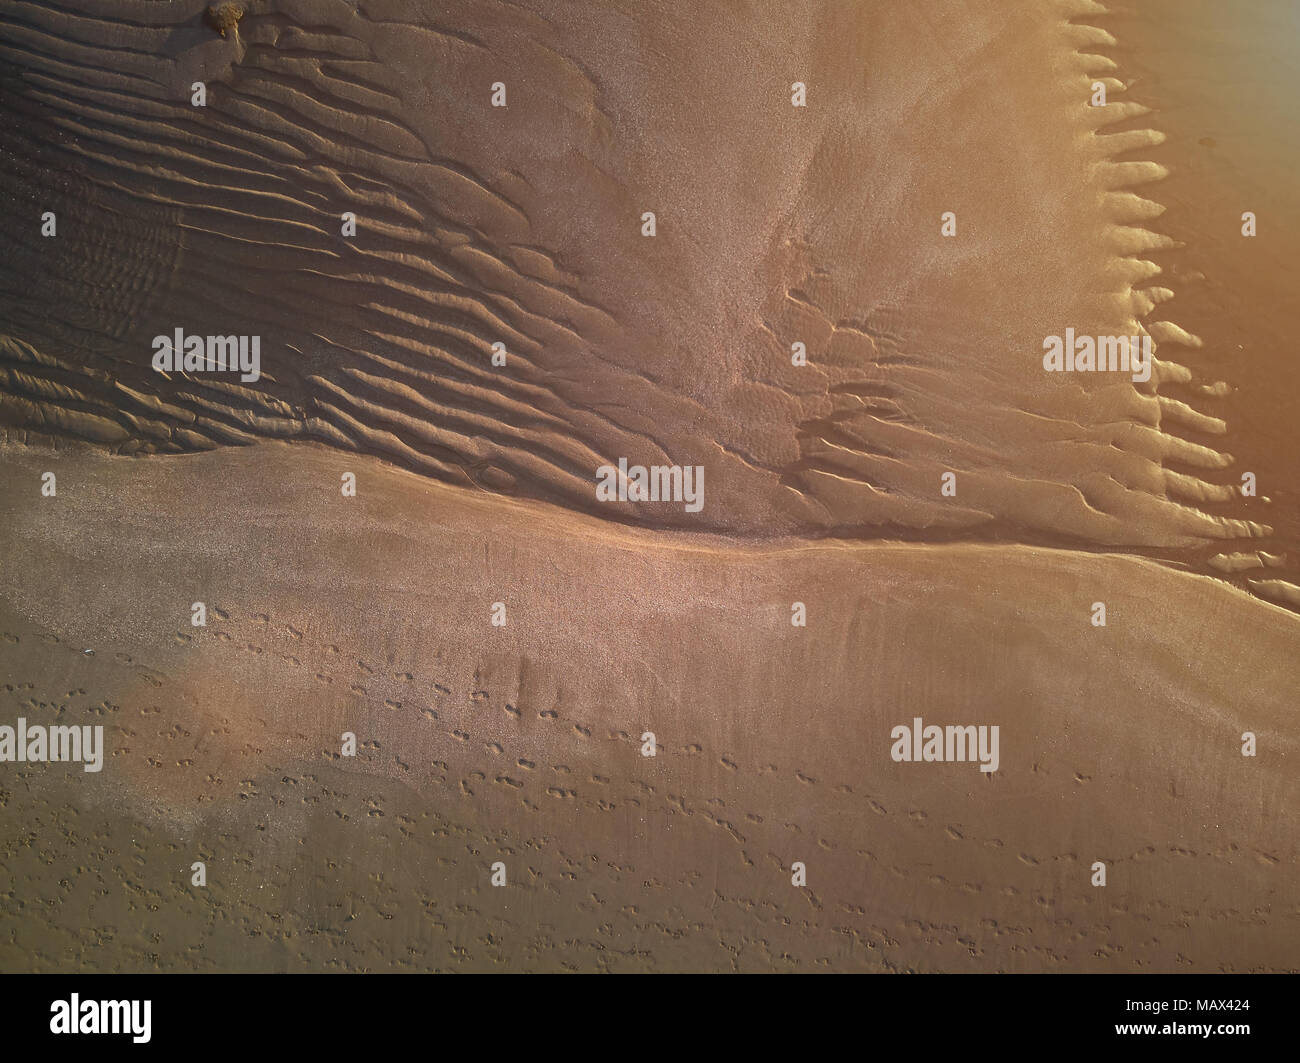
(817, 252)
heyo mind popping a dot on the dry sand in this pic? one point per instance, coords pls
(775, 225)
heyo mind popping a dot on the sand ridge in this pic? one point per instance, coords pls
(924, 352)
(522, 226)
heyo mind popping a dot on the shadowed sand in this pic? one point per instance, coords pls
(776, 225)
(522, 743)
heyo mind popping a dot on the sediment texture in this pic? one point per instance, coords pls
(522, 226)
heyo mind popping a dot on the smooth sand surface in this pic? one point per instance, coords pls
(522, 743)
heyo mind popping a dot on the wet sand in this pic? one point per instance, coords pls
(775, 225)
(522, 743)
